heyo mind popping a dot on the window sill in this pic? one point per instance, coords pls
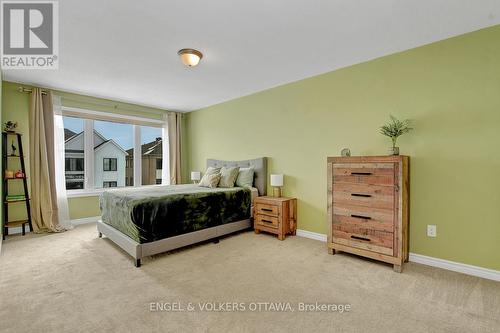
(84, 193)
(97, 192)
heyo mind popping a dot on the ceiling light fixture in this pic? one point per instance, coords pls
(190, 57)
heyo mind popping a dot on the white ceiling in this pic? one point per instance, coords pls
(127, 49)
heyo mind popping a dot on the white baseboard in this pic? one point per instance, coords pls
(481, 272)
(85, 220)
(75, 222)
(311, 235)
(485, 273)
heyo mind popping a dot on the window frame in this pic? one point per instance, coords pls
(110, 159)
(89, 116)
(110, 183)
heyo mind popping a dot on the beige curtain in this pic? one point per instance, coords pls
(174, 122)
(42, 163)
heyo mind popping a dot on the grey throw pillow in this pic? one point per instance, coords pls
(245, 177)
(228, 176)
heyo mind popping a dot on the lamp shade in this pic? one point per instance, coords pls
(277, 180)
(195, 175)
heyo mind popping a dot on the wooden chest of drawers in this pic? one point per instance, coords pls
(275, 215)
(368, 208)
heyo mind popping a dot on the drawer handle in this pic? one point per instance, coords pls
(266, 209)
(361, 217)
(361, 195)
(361, 173)
(267, 221)
(361, 238)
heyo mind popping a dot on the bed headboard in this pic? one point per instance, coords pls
(259, 165)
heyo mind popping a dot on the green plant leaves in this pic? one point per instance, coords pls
(395, 128)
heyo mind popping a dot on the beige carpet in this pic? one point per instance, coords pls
(76, 282)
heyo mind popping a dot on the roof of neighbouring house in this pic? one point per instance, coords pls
(68, 134)
(113, 143)
(150, 148)
(101, 144)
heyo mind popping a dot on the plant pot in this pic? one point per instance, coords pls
(394, 151)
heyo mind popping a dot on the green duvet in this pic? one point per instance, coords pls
(152, 213)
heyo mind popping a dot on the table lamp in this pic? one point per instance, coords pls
(277, 183)
(195, 176)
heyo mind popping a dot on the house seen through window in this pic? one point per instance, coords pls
(74, 154)
(113, 154)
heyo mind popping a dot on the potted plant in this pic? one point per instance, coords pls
(394, 129)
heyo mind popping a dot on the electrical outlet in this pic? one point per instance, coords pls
(431, 230)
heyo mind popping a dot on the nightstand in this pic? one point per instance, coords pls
(275, 215)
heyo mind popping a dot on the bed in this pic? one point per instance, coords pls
(151, 220)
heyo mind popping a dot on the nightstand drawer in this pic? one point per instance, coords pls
(271, 210)
(268, 221)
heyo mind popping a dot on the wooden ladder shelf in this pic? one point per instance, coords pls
(18, 199)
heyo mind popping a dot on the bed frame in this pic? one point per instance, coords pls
(139, 251)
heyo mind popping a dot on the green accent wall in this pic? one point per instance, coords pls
(15, 107)
(451, 91)
(84, 207)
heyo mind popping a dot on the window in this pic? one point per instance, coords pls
(100, 150)
(159, 165)
(74, 164)
(110, 164)
(129, 163)
(152, 154)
